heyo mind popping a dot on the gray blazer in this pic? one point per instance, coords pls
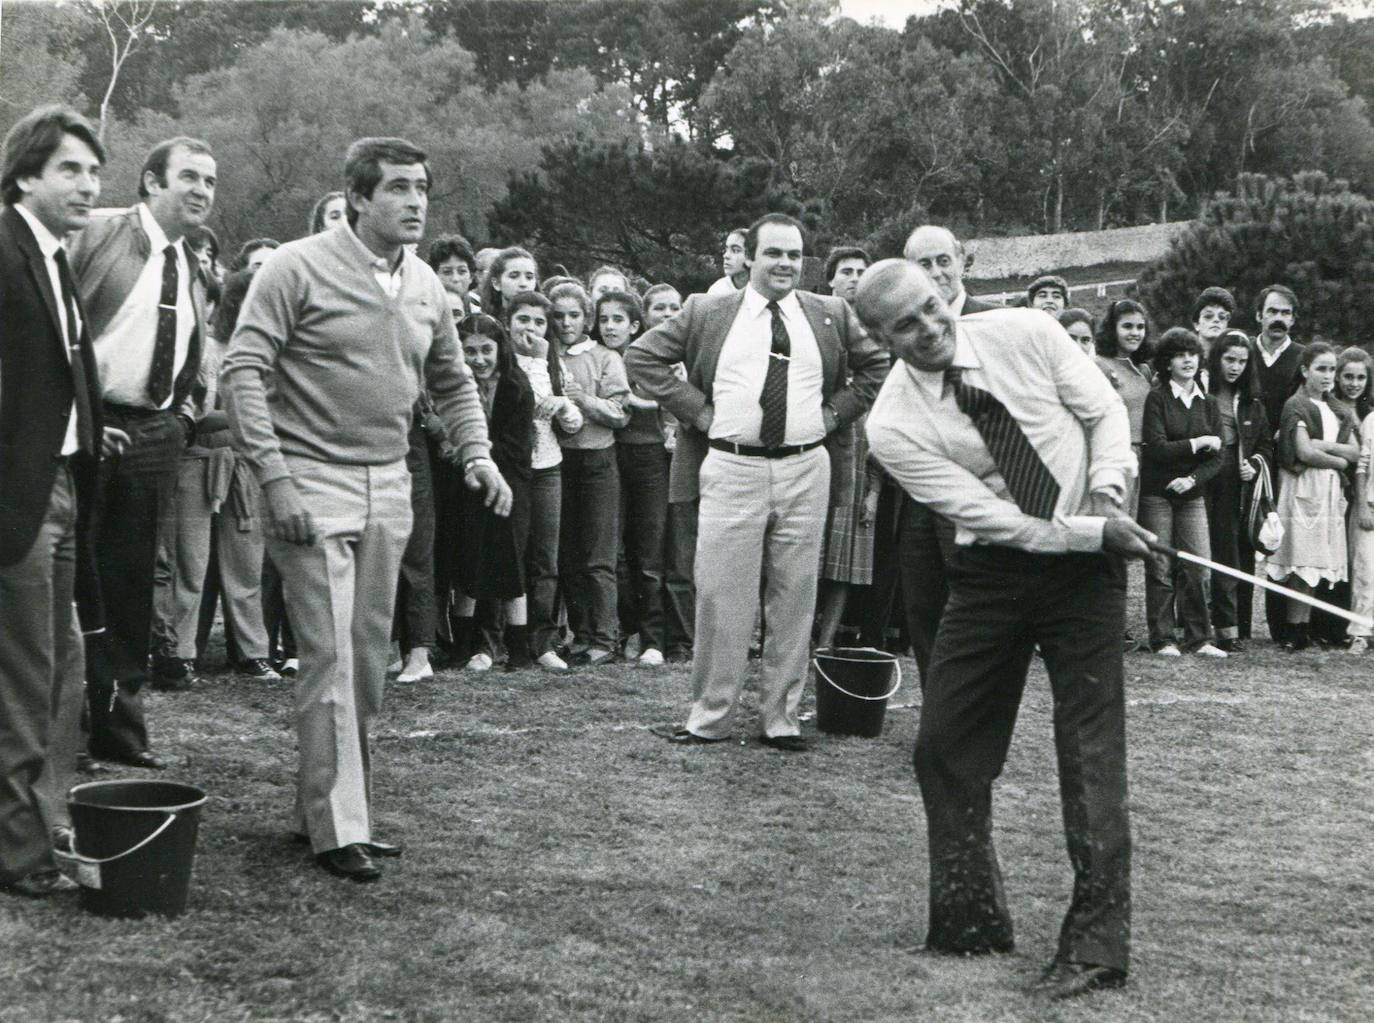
(853, 369)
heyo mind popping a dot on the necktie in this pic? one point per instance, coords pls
(165, 347)
(85, 422)
(1032, 486)
(774, 396)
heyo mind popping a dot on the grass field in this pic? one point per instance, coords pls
(564, 864)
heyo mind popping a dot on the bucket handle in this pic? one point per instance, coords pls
(74, 855)
(815, 663)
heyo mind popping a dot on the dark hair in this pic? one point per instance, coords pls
(554, 280)
(251, 246)
(1281, 289)
(451, 246)
(1048, 281)
(1174, 342)
(482, 325)
(1106, 340)
(33, 140)
(161, 155)
(491, 292)
(743, 232)
(363, 165)
(839, 254)
(632, 306)
(538, 298)
(318, 210)
(751, 236)
(1214, 296)
(607, 269)
(1247, 385)
(200, 237)
(1073, 315)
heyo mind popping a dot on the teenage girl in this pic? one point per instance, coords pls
(490, 565)
(1123, 343)
(642, 459)
(528, 315)
(512, 272)
(1180, 444)
(594, 378)
(1244, 436)
(1314, 449)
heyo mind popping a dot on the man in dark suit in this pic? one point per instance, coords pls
(765, 389)
(143, 291)
(924, 539)
(50, 437)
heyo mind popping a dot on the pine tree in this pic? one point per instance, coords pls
(1309, 232)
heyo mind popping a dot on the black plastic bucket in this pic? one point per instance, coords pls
(135, 845)
(853, 685)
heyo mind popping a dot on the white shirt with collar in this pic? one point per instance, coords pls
(48, 244)
(1064, 405)
(1186, 393)
(388, 277)
(743, 367)
(1269, 360)
(124, 352)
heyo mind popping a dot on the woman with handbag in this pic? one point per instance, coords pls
(1245, 441)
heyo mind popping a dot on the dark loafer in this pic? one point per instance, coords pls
(41, 884)
(1069, 980)
(786, 743)
(144, 758)
(682, 737)
(378, 849)
(353, 862)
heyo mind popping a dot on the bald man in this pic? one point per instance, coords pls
(1002, 425)
(923, 538)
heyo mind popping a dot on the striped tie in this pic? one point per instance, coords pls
(774, 395)
(165, 342)
(1032, 485)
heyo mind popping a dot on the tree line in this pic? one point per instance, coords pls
(634, 131)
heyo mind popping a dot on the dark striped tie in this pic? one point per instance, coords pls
(165, 346)
(1032, 485)
(774, 396)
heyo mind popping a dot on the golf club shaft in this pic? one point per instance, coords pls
(1236, 573)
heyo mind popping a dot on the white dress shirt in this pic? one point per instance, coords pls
(124, 352)
(1269, 360)
(1064, 405)
(743, 366)
(48, 244)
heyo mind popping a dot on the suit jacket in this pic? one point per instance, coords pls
(106, 259)
(977, 305)
(37, 394)
(853, 369)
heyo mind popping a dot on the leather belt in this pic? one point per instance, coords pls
(758, 451)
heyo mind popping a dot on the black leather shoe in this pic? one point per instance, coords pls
(1069, 980)
(378, 849)
(87, 764)
(353, 862)
(145, 759)
(682, 737)
(787, 743)
(40, 884)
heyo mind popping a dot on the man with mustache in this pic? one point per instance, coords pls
(1003, 426)
(338, 335)
(145, 298)
(765, 390)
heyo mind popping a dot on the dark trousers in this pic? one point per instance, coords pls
(446, 480)
(588, 540)
(643, 521)
(925, 541)
(679, 584)
(134, 488)
(870, 607)
(416, 622)
(281, 641)
(541, 557)
(1225, 526)
(1003, 603)
(40, 685)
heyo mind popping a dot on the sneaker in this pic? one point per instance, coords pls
(550, 661)
(256, 667)
(1208, 650)
(1168, 650)
(479, 662)
(290, 667)
(426, 670)
(651, 658)
(1358, 645)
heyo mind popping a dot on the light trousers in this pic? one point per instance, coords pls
(341, 592)
(758, 516)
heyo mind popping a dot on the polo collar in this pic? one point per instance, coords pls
(585, 345)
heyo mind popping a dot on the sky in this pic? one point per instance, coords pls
(892, 13)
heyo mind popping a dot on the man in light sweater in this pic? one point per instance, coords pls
(338, 333)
